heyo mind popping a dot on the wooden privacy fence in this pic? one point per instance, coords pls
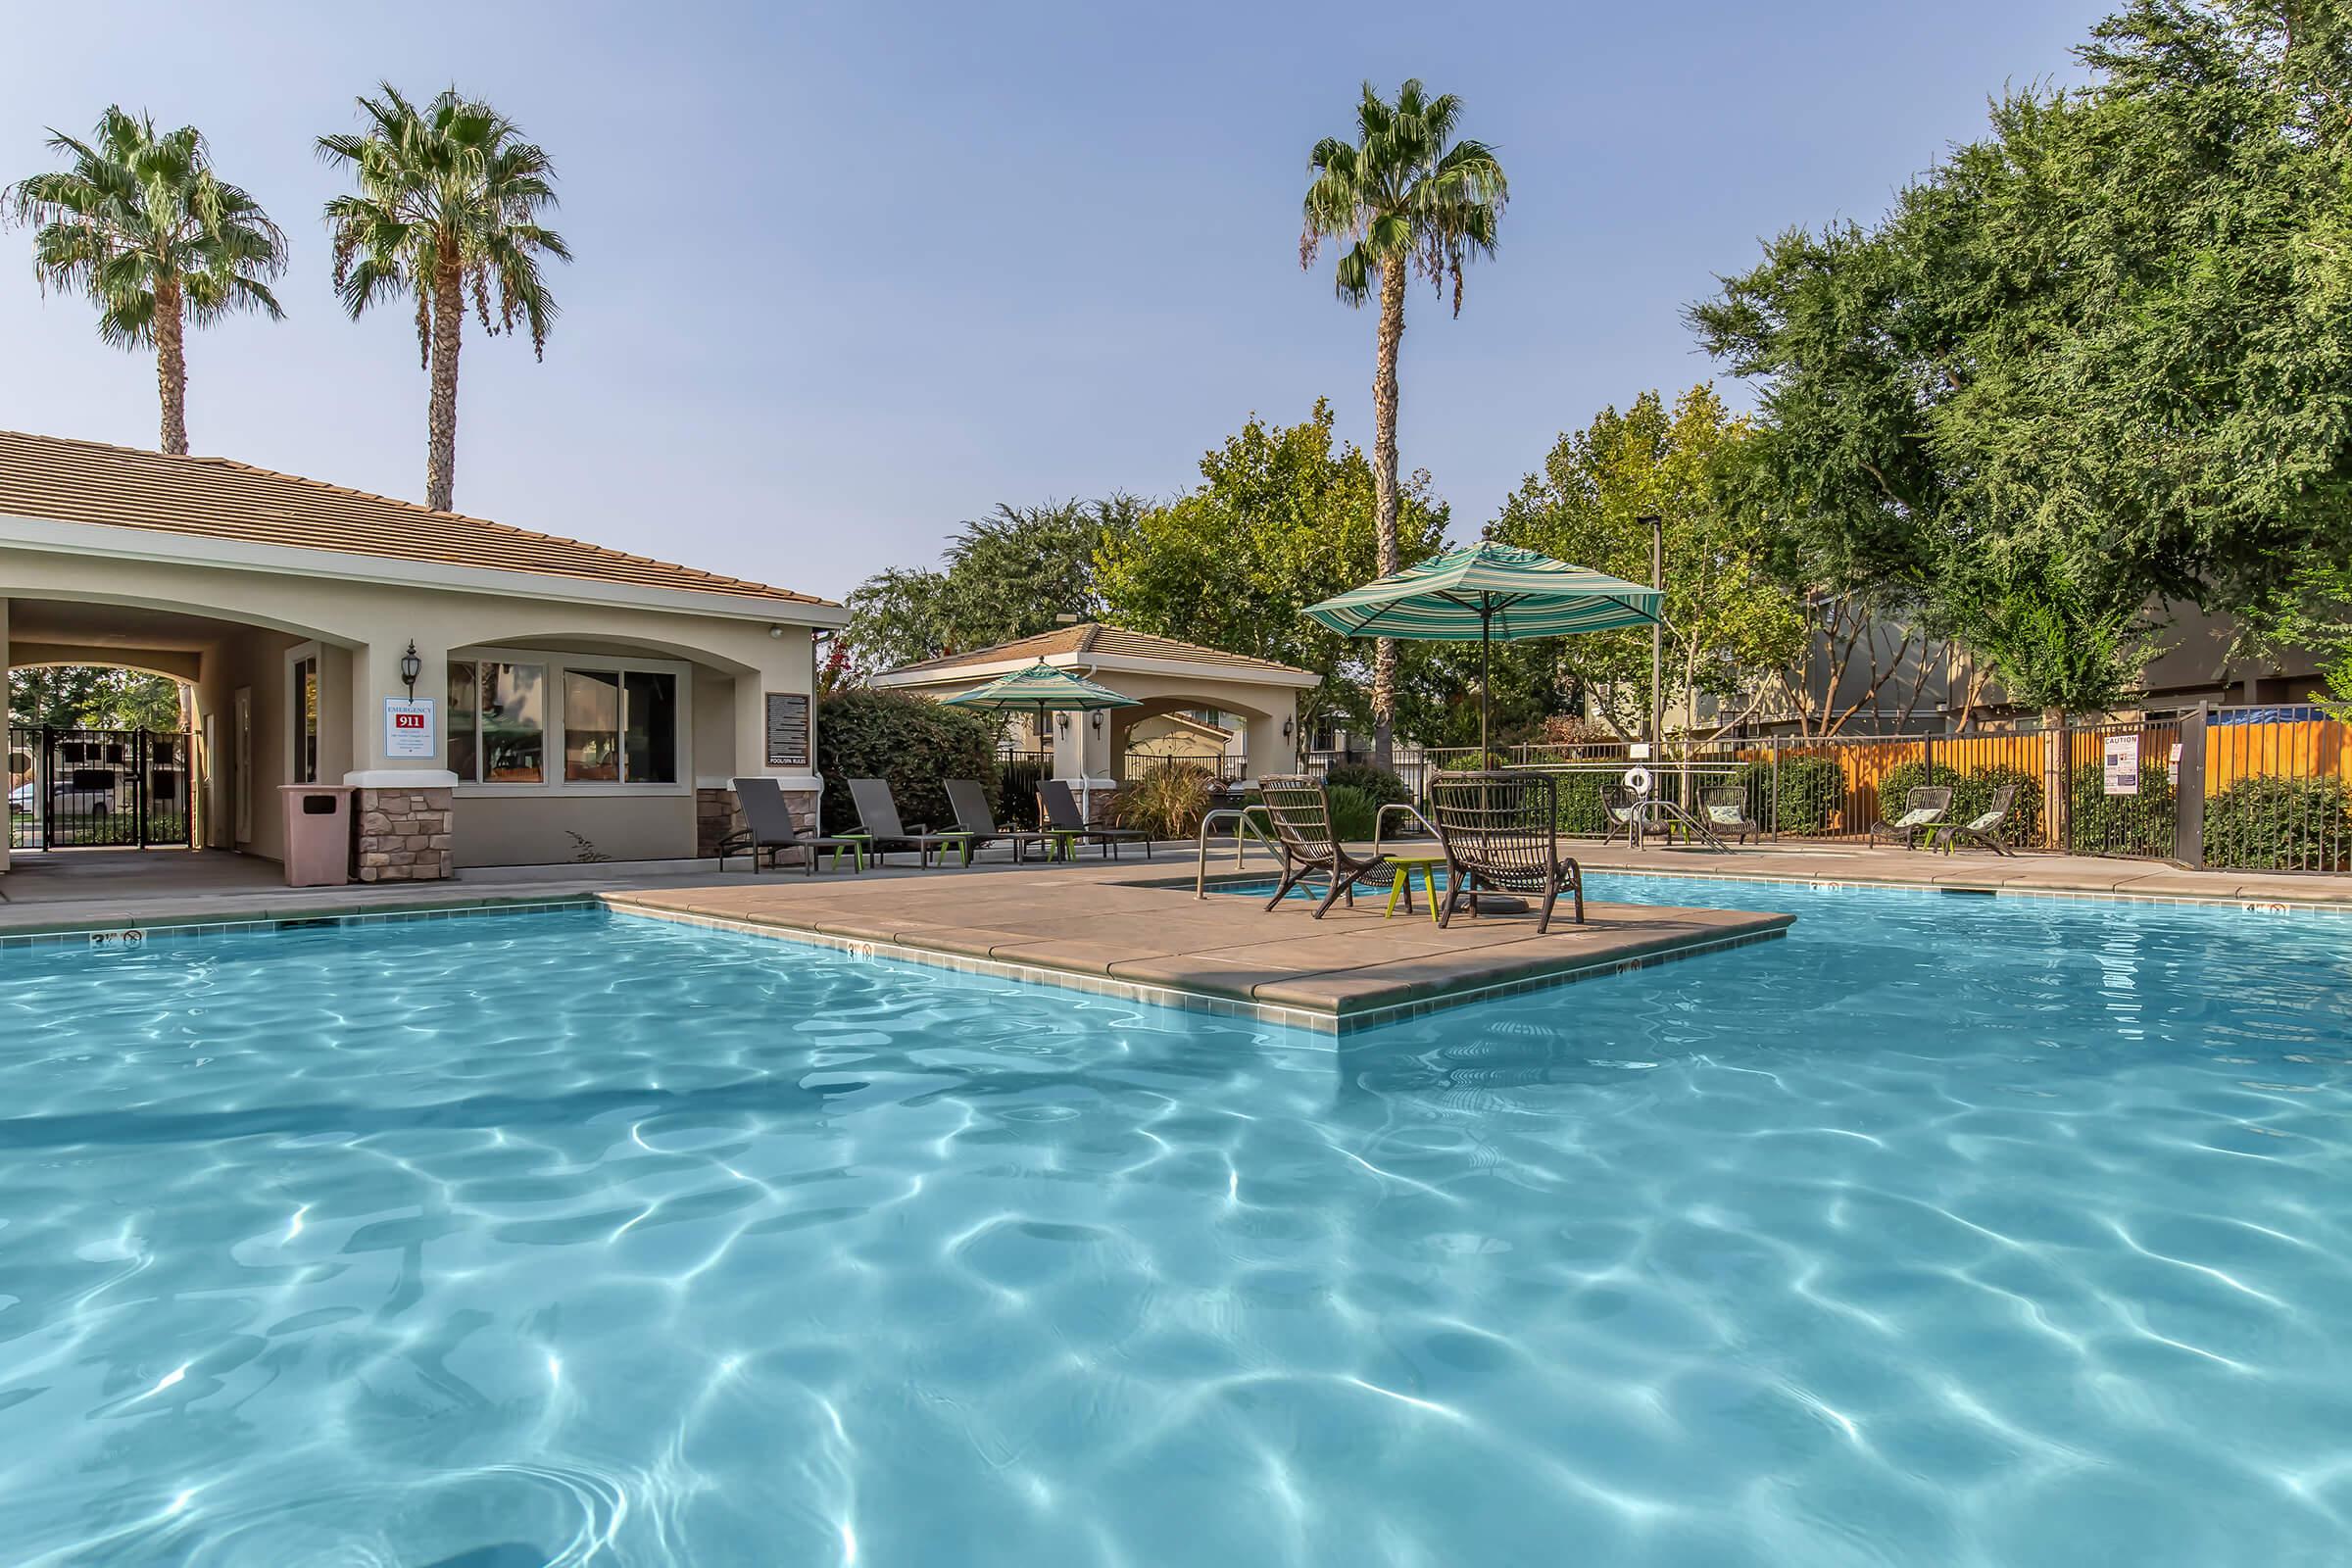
(2262, 789)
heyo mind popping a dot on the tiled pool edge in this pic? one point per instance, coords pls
(192, 928)
(1345, 1021)
(1839, 884)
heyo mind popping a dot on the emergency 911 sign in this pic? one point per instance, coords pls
(409, 727)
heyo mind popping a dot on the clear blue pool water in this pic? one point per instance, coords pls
(1946, 1231)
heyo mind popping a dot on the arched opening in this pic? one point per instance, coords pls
(1209, 733)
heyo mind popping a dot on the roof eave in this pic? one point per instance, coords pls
(109, 542)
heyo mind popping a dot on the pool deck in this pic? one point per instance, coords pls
(1101, 928)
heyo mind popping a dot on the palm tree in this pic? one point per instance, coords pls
(449, 203)
(1407, 200)
(142, 225)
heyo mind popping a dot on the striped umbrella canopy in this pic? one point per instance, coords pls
(1493, 593)
(1048, 690)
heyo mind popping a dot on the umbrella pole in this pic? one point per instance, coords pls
(1485, 671)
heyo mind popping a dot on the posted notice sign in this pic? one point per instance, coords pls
(409, 728)
(2122, 764)
(787, 730)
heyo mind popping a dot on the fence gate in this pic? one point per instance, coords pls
(93, 787)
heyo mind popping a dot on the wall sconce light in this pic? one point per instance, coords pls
(1286, 729)
(1095, 720)
(411, 666)
(1062, 721)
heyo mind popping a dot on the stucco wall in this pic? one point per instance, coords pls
(527, 830)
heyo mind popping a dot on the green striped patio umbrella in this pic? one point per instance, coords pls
(1493, 593)
(1048, 690)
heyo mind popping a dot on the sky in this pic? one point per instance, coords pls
(848, 274)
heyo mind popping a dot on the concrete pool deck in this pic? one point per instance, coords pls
(1105, 928)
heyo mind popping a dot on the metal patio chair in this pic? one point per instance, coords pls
(1300, 810)
(1502, 832)
(1059, 812)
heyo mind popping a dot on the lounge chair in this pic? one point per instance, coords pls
(1982, 828)
(769, 826)
(1501, 832)
(970, 801)
(1724, 810)
(1059, 815)
(1300, 810)
(1924, 812)
(879, 817)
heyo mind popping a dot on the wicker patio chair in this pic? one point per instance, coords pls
(878, 816)
(1985, 828)
(1724, 810)
(1924, 810)
(771, 828)
(1623, 804)
(1300, 810)
(1502, 832)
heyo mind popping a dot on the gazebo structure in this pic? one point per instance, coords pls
(1168, 679)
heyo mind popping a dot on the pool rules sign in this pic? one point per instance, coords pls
(409, 728)
(787, 730)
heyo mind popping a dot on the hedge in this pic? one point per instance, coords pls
(2121, 825)
(1812, 793)
(912, 744)
(2280, 824)
(1385, 787)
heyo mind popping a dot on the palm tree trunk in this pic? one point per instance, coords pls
(441, 416)
(1384, 500)
(171, 366)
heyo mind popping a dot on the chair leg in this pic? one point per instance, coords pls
(1290, 880)
(1340, 884)
(1576, 881)
(1551, 895)
(1454, 895)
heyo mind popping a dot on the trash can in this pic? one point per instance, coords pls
(317, 834)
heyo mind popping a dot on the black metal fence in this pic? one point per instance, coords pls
(94, 788)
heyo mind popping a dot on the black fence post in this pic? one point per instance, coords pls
(2188, 791)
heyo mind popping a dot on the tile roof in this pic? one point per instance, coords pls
(215, 498)
(1093, 637)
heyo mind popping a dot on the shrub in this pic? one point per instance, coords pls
(2280, 824)
(1897, 782)
(1812, 793)
(1385, 787)
(2121, 824)
(1579, 806)
(908, 742)
(1166, 802)
(1355, 814)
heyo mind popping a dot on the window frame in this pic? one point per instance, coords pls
(555, 663)
(305, 723)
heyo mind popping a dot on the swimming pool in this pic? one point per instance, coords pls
(1946, 1230)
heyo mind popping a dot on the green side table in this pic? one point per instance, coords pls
(1403, 887)
(861, 848)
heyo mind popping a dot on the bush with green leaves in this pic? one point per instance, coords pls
(1812, 793)
(2280, 824)
(1166, 802)
(1577, 808)
(1382, 785)
(2121, 824)
(1355, 814)
(1972, 797)
(912, 745)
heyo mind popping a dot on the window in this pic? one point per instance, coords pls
(305, 720)
(612, 724)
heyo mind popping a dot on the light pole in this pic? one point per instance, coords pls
(1658, 638)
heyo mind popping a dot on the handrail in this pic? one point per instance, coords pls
(1244, 827)
(1380, 820)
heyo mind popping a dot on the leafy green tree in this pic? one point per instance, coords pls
(1012, 573)
(1403, 196)
(91, 697)
(1282, 518)
(1729, 619)
(2096, 360)
(140, 224)
(449, 203)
